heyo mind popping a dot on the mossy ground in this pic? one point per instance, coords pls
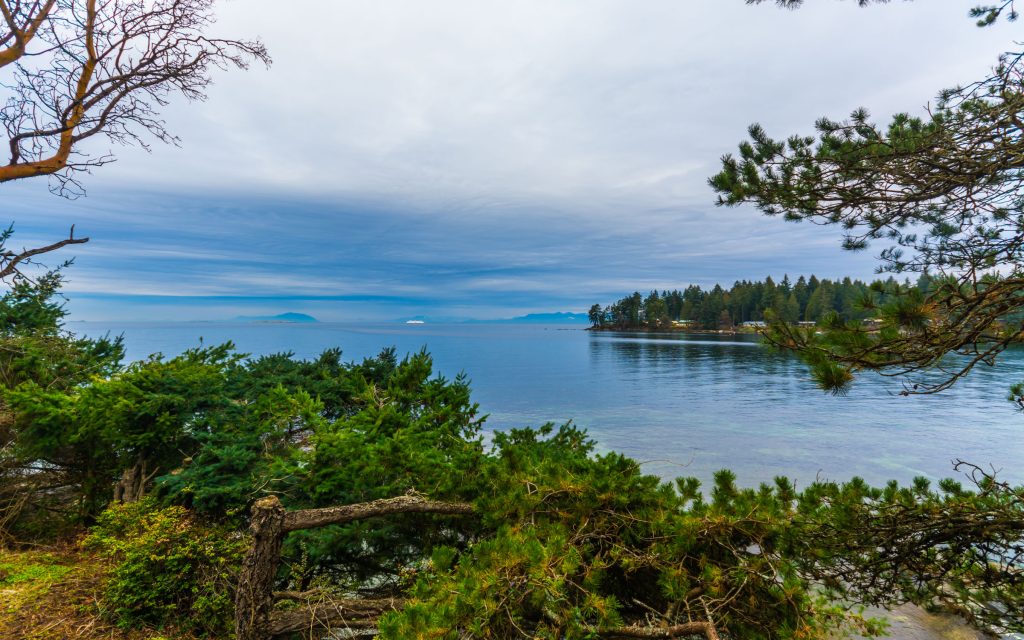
(55, 594)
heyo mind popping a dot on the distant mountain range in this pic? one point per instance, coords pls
(558, 317)
(281, 317)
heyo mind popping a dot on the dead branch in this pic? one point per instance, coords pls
(255, 618)
(332, 614)
(10, 260)
(309, 518)
(705, 628)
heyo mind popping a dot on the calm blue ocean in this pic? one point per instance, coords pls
(684, 405)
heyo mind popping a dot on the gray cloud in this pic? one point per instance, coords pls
(502, 157)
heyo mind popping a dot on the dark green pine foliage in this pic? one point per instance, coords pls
(415, 433)
(955, 550)
(583, 544)
(35, 344)
(943, 192)
(144, 415)
(36, 351)
(277, 405)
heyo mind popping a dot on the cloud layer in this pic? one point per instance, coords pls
(463, 158)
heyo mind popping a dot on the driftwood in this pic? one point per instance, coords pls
(132, 485)
(254, 600)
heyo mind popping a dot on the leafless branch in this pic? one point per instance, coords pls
(11, 261)
(104, 67)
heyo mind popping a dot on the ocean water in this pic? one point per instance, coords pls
(684, 405)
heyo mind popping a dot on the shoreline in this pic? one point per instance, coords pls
(724, 332)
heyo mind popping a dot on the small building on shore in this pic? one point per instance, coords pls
(871, 324)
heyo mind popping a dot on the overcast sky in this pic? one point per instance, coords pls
(486, 159)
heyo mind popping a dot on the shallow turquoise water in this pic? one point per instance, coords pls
(682, 405)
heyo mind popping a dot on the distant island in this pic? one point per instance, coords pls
(558, 317)
(281, 317)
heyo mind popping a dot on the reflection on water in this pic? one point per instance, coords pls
(686, 405)
(731, 403)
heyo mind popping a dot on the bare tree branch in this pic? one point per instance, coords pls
(107, 67)
(309, 518)
(10, 260)
(20, 26)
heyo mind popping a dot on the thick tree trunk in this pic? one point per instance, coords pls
(255, 618)
(254, 600)
(132, 485)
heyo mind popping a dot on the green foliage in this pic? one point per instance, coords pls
(417, 432)
(986, 14)
(141, 417)
(34, 346)
(954, 549)
(941, 190)
(29, 306)
(325, 378)
(30, 568)
(410, 434)
(36, 352)
(245, 453)
(583, 544)
(167, 567)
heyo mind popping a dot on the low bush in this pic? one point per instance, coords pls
(167, 567)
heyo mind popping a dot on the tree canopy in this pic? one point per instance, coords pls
(941, 191)
(809, 300)
(77, 69)
(986, 14)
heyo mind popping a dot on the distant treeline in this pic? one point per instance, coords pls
(808, 300)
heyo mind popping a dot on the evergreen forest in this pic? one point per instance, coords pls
(806, 300)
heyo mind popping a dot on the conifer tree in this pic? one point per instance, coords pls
(943, 190)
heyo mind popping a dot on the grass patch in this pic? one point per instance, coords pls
(16, 568)
(56, 596)
(28, 575)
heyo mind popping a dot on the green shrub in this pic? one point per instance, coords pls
(168, 568)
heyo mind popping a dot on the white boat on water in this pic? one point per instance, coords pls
(414, 322)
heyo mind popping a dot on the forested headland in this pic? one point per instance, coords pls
(806, 300)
